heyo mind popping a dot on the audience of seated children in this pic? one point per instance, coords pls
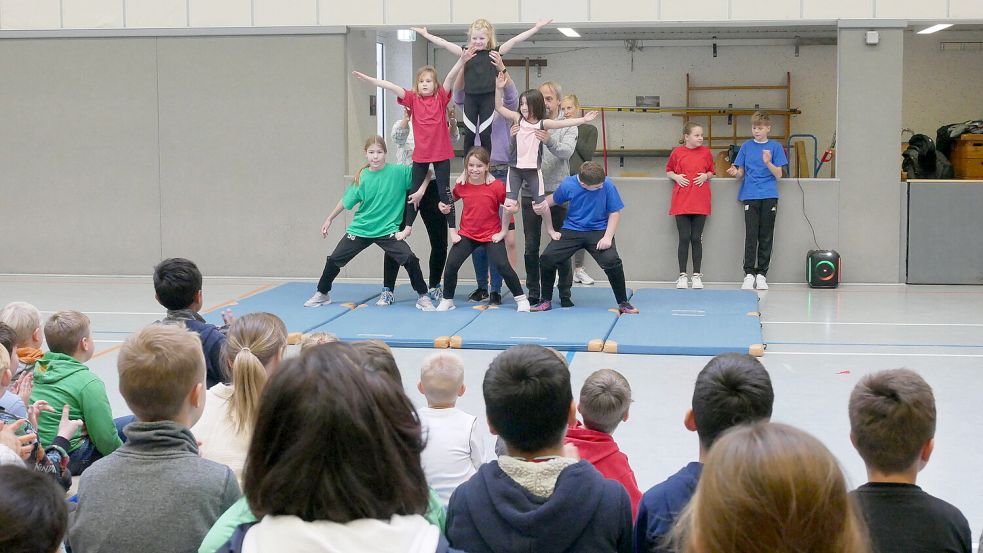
(33, 514)
(62, 378)
(732, 389)
(254, 347)
(770, 488)
(155, 493)
(13, 403)
(312, 502)
(535, 498)
(604, 401)
(177, 283)
(455, 447)
(25, 319)
(892, 425)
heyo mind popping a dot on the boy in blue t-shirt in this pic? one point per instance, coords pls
(592, 219)
(759, 166)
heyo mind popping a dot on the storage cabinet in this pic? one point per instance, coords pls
(967, 156)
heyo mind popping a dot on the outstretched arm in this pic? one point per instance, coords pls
(394, 88)
(572, 122)
(500, 102)
(510, 43)
(449, 46)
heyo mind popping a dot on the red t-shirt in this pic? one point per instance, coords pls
(432, 142)
(692, 199)
(480, 218)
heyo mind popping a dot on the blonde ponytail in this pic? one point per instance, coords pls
(253, 341)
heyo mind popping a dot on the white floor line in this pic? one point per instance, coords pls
(872, 354)
(109, 341)
(864, 323)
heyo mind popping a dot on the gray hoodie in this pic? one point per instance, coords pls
(153, 494)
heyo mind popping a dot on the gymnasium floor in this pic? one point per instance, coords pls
(820, 343)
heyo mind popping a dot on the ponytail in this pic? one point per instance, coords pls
(253, 341)
(358, 174)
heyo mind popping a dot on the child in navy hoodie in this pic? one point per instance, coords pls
(604, 401)
(535, 498)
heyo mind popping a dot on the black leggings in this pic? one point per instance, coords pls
(690, 229)
(350, 245)
(442, 180)
(479, 109)
(496, 252)
(436, 231)
(560, 251)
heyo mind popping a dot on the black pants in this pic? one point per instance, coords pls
(532, 230)
(759, 232)
(479, 109)
(442, 180)
(349, 246)
(690, 229)
(571, 241)
(499, 257)
(436, 231)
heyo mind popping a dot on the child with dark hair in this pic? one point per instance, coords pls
(9, 401)
(33, 515)
(892, 425)
(535, 498)
(177, 283)
(379, 506)
(732, 389)
(379, 357)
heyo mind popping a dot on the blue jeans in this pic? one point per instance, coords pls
(479, 257)
(86, 453)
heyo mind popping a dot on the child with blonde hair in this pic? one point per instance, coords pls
(312, 339)
(455, 448)
(26, 321)
(690, 166)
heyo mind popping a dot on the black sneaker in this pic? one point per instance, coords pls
(478, 295)
(495, 298)
(566, 302)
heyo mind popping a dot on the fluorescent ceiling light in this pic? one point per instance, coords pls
(567, 31)
(935, 28)
(406, 35)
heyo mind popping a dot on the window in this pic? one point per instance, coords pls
(380, 93)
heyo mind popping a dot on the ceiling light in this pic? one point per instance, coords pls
(567, 31)
(406, 35)
(935, 28)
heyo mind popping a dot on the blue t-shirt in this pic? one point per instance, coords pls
(589, 209)
(759, 183)
(661, 506)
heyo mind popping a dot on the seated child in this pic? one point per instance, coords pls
(62, 378)
(604, 401)
(33, 514)
(312, 339)
(731, 389)
(535, 498)
(379, 357)
(892, 425)
(177, 283)
(155, 493)
(455, 448)
(25, 319)
(9, 401)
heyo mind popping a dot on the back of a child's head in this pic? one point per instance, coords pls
(64, 330)
(528, 397)
(441, 377)
(892, 417)
(760, 119)
(158, 367)
(771, 488)
(591, 173)
(355, 455)
(24, 318)
(33, 515)
(312, 339)
(176, 282)
(254, 342)
(604, 400)
(379, 357)
(732, 389)
(8, 337)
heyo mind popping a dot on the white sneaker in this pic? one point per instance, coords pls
(522, 304)
(760, 282)
(445, 305)
(681, 282)
(581, 276)
(748, 283)
(386, 298)
(318, 299)
(697, 281)
(424, 303)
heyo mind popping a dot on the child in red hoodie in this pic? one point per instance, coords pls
(604, 402)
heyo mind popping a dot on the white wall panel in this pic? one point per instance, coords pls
(30, 14)
(156, 13)
(221, 13)
(690, 10)
(363, 12)
(764, 10)
(966, 8)
(503, 11)
(570, 11)
(287, 13)
(909, 9)
(837, 9)
(624, 10)
(92, 14)
(418, 12)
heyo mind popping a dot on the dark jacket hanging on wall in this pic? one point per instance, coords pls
(923, 161)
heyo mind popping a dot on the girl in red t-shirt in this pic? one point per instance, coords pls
(427, 103)
(690, 166)
(482, 224)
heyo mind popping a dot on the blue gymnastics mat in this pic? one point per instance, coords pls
(287, 302)
(689, 322)
(580, 328)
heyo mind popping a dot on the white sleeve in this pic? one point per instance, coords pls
(477, 445)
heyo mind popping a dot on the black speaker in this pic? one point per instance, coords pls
(823, 268)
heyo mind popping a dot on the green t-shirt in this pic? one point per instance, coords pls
(381, 198)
